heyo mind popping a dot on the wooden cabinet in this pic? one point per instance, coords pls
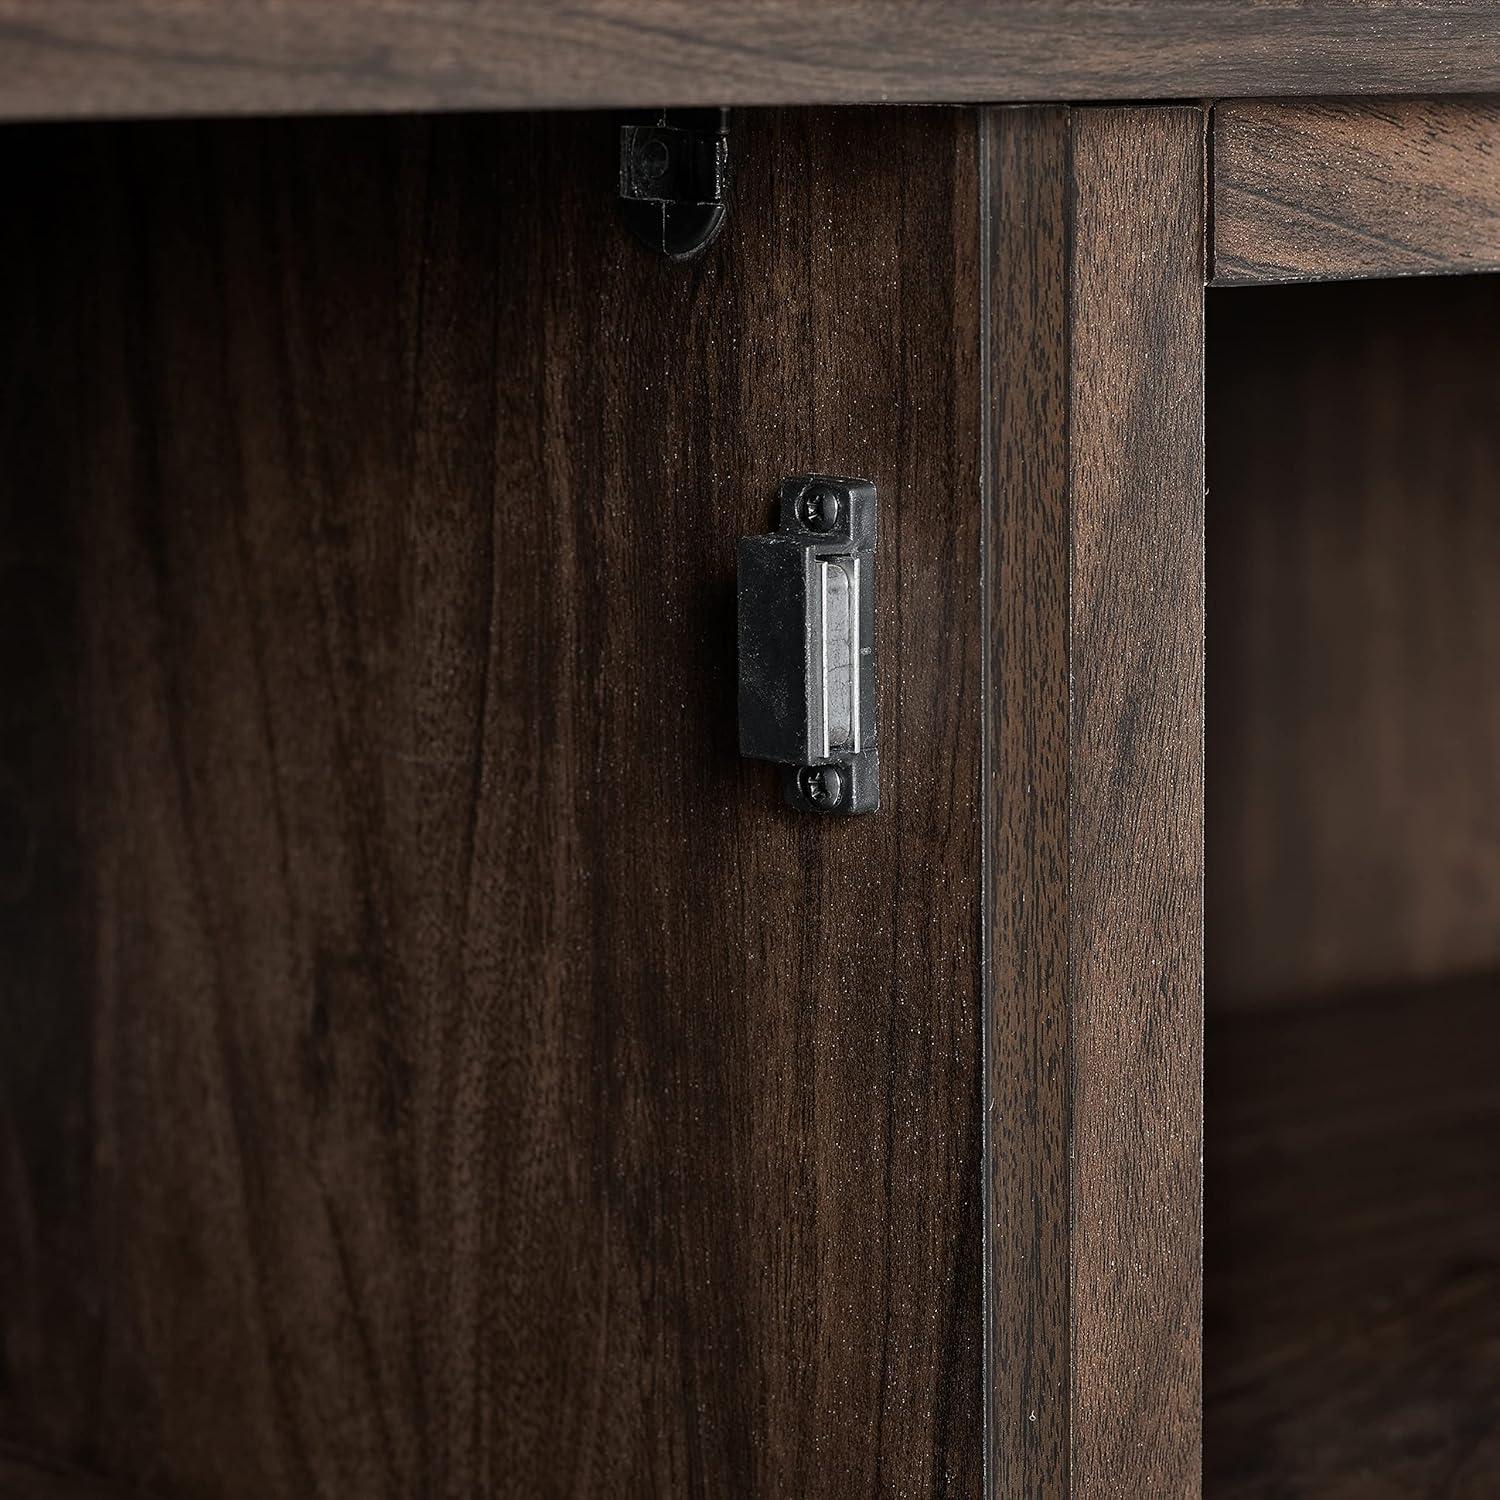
(434, 1062)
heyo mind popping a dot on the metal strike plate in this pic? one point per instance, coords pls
(807, 644)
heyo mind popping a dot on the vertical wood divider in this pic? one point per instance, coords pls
(1094, 512)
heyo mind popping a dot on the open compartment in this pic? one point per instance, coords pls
(1352, 1255)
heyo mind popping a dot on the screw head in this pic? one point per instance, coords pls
(818, 507)
(651, 159)
(823, 786)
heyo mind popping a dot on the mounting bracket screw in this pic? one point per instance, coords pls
(823, 786)
(651, 158)
(818, 507)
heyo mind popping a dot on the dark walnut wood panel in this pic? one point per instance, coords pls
(1352, 1259)
(434, 1062)
(154, 57)
(23, 1477)
(1095, 783)
(1354, 636)
(1332, 189)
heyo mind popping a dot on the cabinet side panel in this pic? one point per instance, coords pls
(1136, 829)
(1026, 786)
(467, 1076)
(1094, 724)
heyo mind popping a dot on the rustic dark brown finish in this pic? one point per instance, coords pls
(1331, 189)
(153, 57)
(1352, 1262)
(1094, 721)
(1354, 630)
(434, 1063)
(1026, 791)
(25, 1478)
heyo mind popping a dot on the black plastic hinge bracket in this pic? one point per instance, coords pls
(674, 178)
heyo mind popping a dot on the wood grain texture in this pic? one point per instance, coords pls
(1354, 629)
(1026, 790)
(1352, 1257)
(23, 1477)
(155, 57)
(1094, 725)
(434, 1063)
(1332, 189)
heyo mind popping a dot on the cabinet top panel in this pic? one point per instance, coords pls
(76, 58)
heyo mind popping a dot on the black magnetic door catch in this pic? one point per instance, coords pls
(807, 644)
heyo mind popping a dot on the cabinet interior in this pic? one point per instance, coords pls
(188, 347)
(1352, 1256)
(407, 1070)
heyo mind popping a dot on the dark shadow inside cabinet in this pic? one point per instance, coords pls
(1352, 1175)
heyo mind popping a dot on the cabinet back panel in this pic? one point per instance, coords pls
(1353, 636)
(433, 1062)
